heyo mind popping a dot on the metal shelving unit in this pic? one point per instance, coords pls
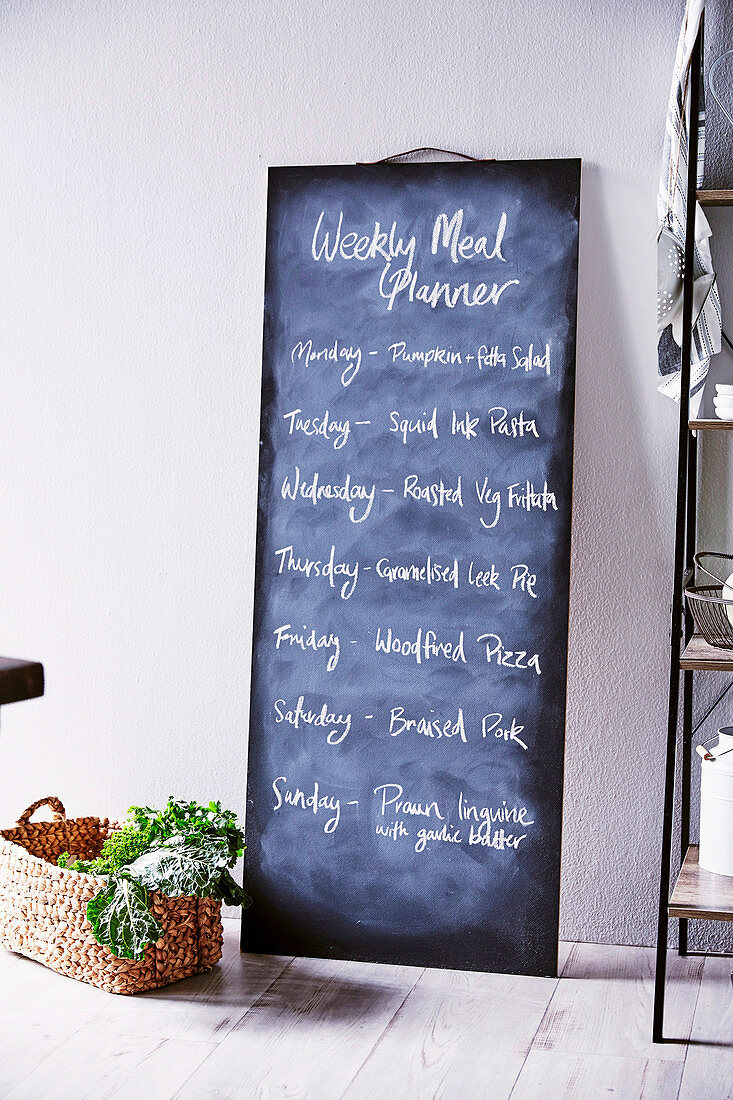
(696, 893)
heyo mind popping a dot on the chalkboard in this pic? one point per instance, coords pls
(411, 606)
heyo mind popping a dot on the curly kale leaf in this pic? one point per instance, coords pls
(121, 920)
(190, 820)
(179, 867)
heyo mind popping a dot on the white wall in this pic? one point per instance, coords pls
(134, 140)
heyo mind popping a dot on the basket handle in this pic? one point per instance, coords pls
(59, 813)
(712, 554)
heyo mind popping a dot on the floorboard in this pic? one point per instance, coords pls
(261, 1026)
(709, 1063)
(457, 1034)
(556, 1075)
(603, 1004)
(39, 1011)
(7, 959)
(94, 1066)
(159, 1074)
(202, 1009)
(308, 1035)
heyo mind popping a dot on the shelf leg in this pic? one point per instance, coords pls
(685, 786)
(680, 549)
(688, 676)
(666, 854)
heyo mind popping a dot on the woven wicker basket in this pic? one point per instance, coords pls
(43, 909)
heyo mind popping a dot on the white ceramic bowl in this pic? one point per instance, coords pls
(723, 389)
(723, 402)
(724, 414)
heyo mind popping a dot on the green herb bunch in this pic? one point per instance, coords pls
(183, 850)
(121, 847)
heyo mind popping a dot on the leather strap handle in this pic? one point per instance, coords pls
(427, 149)
(59, 813)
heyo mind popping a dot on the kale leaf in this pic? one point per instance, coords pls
(230, 892)
(121, 920)
(183, 850)
(189, 819)
(182, 866)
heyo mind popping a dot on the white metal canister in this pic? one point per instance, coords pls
(716, 805)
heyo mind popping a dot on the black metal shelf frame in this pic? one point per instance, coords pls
(681, 624)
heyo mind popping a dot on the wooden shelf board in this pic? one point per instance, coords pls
(699, 894)
(715, 198)
(712, 425)
(699, 655)
(20, 680)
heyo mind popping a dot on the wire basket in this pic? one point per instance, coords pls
(711, 609)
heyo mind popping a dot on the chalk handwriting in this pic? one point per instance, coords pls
(335, 432)
(437, 728)
(425, 646)
(304, 352)
(315, 802)
(428, 572)
(494, 723)
(515, 427)
(447, 234)
(311, 489)
(405, 427)
(337, 726)
(309, 640)
(436, 494)
(390, 802)
(508, 658)
(388, 247)
(329, 569)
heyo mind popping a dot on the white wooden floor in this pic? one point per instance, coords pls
(260, 1026)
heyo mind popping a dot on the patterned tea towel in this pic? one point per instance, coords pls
(672, 214)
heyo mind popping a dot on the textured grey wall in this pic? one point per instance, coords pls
(719, 135)
(133, 144)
